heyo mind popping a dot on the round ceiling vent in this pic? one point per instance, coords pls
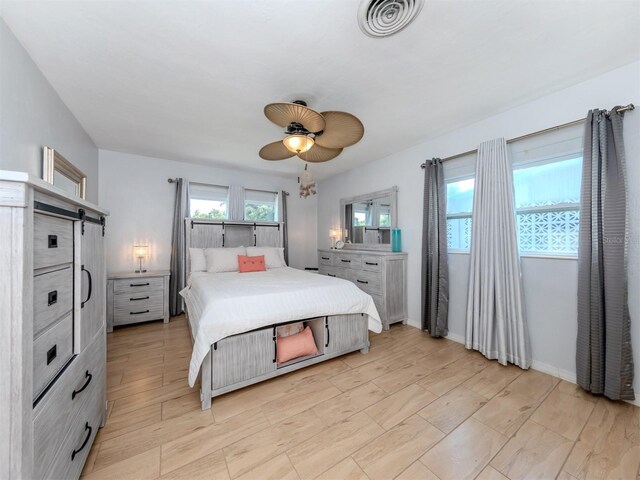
(381, 18)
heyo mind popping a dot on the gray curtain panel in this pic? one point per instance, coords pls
(435, 269)
(178, 264)
(283, 220)
(604, 359)
(496, 323)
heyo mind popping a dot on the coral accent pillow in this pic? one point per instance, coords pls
(294, 346)
(251, 264)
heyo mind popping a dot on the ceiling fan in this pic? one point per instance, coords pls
(312, 136)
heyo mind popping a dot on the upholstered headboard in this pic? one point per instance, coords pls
(217, 233)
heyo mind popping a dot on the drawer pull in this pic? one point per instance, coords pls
(84, 444)
(139, 284)
(138, 313)
(90, 286)
(139, 298)
(331, 274)
(52, 241)
(325, 258)
(52, 297)
(51, 354)
(345, 261)
(362, 281)
(86, 384)
(371, 263)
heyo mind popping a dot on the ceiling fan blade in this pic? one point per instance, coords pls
(317, 154)
(275, 151)
(341, 130)
(283, 114)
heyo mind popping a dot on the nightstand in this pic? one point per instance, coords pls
(137, 297)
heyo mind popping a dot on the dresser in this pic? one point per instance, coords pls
(52, 336)
(137, 297)
(383, 275)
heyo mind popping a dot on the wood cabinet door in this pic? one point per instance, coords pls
(93, 284)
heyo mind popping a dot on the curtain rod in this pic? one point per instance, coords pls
(626, 108)
(174, 180)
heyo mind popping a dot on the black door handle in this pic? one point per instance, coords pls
(52, 353)
(138, 313)
(138, 284)
(84, 444)
(361, 281)
(90, 286)
(139, 298)
(326, 326)
(52, 241)
(86, 384)
(326, 258)
(370, 263)
(330, 274)
(345, 261)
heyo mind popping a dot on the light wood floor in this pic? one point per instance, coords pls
(413, 408)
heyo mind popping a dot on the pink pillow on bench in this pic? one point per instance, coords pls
(251, 264)
(294, 346)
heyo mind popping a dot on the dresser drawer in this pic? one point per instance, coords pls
(138, 285)
(79, 388)
(371, 264)
(52, 241)
(353, 262)
(51, 351)
(52, 297)
(325, 259)
(368, 281)
(137, 313)
(334, 272)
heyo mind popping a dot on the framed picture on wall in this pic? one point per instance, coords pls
(61, 173)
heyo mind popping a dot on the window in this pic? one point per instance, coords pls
(459, 207)
(260, 206)
(208, 201)
(359, 219)
(547, 200)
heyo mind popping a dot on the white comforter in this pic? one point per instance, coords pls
(224, 304)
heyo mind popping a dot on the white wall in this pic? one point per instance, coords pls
(550, 284)
(32, 115)
(136, 192)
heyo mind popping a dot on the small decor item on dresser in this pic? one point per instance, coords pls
(140, 252)
(339, 245)
(396, 240)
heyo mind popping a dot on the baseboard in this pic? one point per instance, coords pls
(414, 324)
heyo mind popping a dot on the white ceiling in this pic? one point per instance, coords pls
(188, 80)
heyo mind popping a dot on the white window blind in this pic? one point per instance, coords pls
(208, 201)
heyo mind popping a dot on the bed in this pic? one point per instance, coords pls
(236, 318)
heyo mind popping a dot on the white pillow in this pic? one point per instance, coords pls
(198, 262)
(223, 259)
(273, 256)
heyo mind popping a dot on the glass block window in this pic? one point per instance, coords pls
(459, 206)
(208, 201)
(547, 200)
(260, 206)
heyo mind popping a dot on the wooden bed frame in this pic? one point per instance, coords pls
(248, 358)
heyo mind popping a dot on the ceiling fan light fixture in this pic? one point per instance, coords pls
(298, 143)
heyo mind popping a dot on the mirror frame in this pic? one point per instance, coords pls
(53, 162)
(392, 193)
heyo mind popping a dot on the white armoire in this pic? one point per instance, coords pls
(52, 328)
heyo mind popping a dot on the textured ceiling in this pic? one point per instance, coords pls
(188, 80)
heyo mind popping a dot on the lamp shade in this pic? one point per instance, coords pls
(298, 143)
(140, 251)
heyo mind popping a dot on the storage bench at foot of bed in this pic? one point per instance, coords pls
(241, 360)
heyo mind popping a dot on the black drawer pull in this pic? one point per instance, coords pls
(325, 258)
(138, 284)
(52, 297)
(52, 241)
(275, 346)
(345, 261)
(331, 274)
(361, 281)
(371, 263)
(139, 298)
(51, 354)
(84, 444)
(138, 313)
(86, 384)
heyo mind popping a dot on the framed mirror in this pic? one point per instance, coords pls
(367, 220)
(61, 173)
